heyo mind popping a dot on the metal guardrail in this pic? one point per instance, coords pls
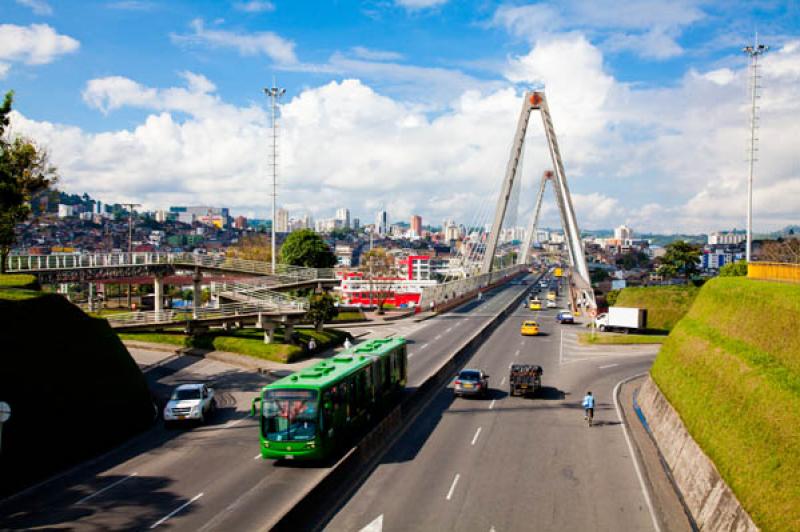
(448, 291)
(39, 263)
(774, 271)
(231, 310)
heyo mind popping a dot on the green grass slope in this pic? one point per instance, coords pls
(665, 305)
(73, 388)
(731, 368)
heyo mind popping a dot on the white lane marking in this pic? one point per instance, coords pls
(634, 456)
(522, 342)
(452, 487)
(176, 510)
(516, 354)
(491, 405)
(475, 438)
(375, 526)
(423, 346)
(257, 456)
(449, 329)
(438, 336)
(503, 381)
(607, 366)
(98, 492)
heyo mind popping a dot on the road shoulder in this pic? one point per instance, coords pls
(670, 511)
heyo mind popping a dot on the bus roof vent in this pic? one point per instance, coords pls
(294, 378)
(311, 375)
(343, 359)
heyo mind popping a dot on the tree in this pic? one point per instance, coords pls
(24, 171)
(680, 259)
(306, 248)
(380, 269)
(734, 269)
(252, 247)
(786, 251)
(321, 308)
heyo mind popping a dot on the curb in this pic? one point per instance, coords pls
(346, 476)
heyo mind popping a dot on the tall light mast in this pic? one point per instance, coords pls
(754, 52)
(274, 94)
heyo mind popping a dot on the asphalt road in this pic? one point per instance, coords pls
(513, 463)
(210, 477)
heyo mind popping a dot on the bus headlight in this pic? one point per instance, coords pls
(310, 445)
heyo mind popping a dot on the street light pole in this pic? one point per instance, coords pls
(130, 207)
(753, 51)
(274, 94)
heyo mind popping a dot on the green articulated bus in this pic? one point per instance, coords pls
(312, 413)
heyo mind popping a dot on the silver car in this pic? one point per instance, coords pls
(471, 382)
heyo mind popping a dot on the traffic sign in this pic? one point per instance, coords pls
(5, 412)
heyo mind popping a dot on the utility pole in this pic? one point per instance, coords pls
(130, 207)
(754, 52)
(274, 94)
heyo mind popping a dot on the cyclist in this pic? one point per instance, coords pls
(588, 405)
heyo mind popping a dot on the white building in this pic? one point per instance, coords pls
(623, 233)
(327, 225)
(726, 237)
(65, 211)
(343, 215)
(282, 221)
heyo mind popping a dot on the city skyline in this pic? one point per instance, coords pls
(394, 123)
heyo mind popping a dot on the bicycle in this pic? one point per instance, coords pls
(589, 417)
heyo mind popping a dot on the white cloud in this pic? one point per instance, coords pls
(265, 43)
(254, 6)
(666, 159)
(375, 55)
(4, 68)
(132, 5)
(39, 7)
(648, 28)
(36, 44)
(419, 4)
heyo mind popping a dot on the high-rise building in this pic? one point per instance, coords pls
(416, 225)
(343, 215)
(356, 224)
(282, 221)
(623, 233)
(240, 223)
(382, 223)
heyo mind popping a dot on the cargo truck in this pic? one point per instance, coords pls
(622, 319)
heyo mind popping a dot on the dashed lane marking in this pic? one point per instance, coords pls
(452, 487)
(516, 353)
(503, 381)
(175, 511)
(98, 492)
(475, 438)
(607, 366)
(491, 405)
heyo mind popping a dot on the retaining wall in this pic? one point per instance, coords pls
(708, 498)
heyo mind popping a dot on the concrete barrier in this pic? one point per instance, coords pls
(708, 498)
(345, 477)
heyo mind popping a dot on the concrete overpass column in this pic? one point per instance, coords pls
(269, 332)
(197, 291)
(158, 295)
(289, 331)
(91, 296)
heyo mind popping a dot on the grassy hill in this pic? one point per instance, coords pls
(731, 368)
(665, 305)
(73, 388)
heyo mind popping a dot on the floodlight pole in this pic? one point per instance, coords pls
(274, 94)
(753, 51)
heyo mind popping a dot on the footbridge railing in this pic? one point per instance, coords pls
(224, 312)
(46, 263)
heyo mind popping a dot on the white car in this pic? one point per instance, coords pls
(190, 402)
(551, 304)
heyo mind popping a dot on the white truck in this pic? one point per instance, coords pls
(193, 401)
(622, 319)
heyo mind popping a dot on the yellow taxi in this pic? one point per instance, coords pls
(535, 304)
(529, 328)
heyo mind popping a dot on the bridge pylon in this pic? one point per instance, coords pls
(536, 101)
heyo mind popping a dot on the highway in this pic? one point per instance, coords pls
(513, 463)
(211, 477)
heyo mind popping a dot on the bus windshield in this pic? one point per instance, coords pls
(289, 415)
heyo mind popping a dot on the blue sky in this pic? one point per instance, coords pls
(135, 77)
